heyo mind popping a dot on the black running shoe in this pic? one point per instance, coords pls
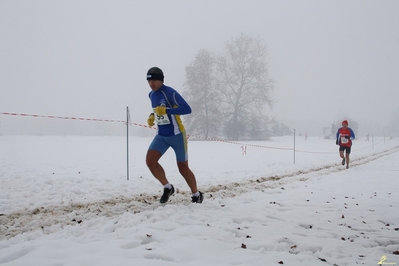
(167, 192)
(343, 161)
(198, 199)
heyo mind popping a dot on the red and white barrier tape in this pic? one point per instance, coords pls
(76, 118)
(242, 144)
(141, 125)
(65, 117)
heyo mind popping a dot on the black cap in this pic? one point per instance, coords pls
(155, 73)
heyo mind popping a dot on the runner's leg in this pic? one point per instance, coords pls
(157, 148)
(156, 169)
(348, 151)
(179, 145)
(188, 175)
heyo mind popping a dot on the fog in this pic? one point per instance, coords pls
(330, 60)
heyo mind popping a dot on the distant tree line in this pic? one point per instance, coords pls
(231, 93)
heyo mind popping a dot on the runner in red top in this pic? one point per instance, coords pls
(344, 139)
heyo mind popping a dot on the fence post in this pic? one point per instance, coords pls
(127, 141)
(294, 145)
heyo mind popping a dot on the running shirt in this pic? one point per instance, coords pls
(345, 132)
(169, 124)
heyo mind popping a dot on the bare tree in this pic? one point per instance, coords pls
(202, 95)
(245, 87)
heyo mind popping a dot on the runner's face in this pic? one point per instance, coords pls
(155, 84)
(344, 125)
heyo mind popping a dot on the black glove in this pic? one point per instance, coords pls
(347, 137)
(336, 142)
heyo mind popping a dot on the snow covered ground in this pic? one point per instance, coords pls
(66, 201)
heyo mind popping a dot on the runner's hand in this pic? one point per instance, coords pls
(151, 119)
(160, 110)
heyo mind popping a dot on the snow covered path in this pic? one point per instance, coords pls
(305, 214)
(45, 217)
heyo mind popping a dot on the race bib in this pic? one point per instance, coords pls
(162, 119)
(344, 140)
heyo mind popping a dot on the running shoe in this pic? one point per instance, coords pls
(198, 199)
(167, 192)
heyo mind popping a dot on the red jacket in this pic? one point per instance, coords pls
(345, 136)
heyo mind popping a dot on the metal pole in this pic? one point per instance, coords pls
(127, 142)
(294, 145)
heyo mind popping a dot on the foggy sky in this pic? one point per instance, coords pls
(330, 59)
